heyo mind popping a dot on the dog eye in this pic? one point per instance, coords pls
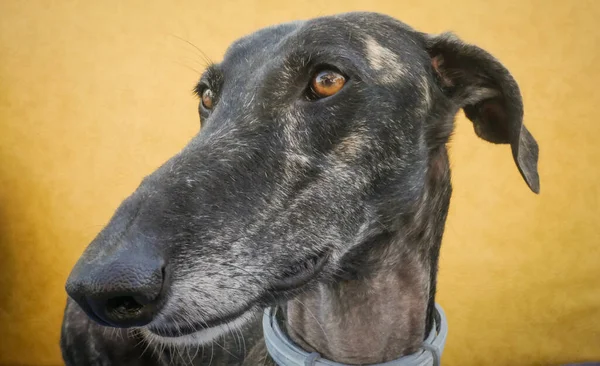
(207, 98)
(326, 83)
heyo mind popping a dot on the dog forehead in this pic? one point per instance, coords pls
(255, 49)
(261, 40)
(365, 34)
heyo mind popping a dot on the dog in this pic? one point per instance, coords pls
(319, 182)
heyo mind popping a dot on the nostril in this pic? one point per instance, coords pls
(123, 307)
(123, 310)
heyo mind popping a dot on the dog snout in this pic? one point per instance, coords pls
(124, 292)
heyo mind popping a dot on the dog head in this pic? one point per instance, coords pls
(317, 137)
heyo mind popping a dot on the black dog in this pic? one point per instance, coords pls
(319, 180)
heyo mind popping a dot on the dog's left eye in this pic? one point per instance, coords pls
(326, 83)
(207, 97)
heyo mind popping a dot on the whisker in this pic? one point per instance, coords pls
(145, 348)
(196, 72)
(314, 317)
(212, 353)
(202, 53)
(196, 353)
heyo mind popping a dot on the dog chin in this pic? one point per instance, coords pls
(202, 336)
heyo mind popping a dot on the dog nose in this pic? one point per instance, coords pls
(122, 293)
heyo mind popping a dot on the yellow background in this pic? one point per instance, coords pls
(96, 94)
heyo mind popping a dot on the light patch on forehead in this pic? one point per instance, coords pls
(384, 61)
(426, 92)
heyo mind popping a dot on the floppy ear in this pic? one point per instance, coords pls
(490, 97)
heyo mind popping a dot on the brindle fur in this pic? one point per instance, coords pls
(274, 179)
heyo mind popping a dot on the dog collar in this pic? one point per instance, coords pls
(286, 353)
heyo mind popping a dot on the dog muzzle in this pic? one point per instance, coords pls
(286, 353)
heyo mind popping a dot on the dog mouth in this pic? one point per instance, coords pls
(293, 278)
(301, 273)
(200, 327)
(201, 334)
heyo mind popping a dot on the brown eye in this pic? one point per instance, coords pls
(326, 83)
(207, 98)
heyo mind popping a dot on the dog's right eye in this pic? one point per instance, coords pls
(207, 97)
(326, 83)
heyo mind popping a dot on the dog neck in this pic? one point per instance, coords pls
(384, 313)
(369, 320)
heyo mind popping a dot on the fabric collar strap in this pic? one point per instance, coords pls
(286, 353)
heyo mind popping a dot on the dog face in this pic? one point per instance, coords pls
(316, 138)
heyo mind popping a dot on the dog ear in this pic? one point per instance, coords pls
(490, 97)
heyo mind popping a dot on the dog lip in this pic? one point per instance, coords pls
(172, 333)
(187, 329)
(300, 279)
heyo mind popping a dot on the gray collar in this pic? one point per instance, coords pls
(285, 353)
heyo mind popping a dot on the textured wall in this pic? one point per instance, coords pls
(96, 94)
